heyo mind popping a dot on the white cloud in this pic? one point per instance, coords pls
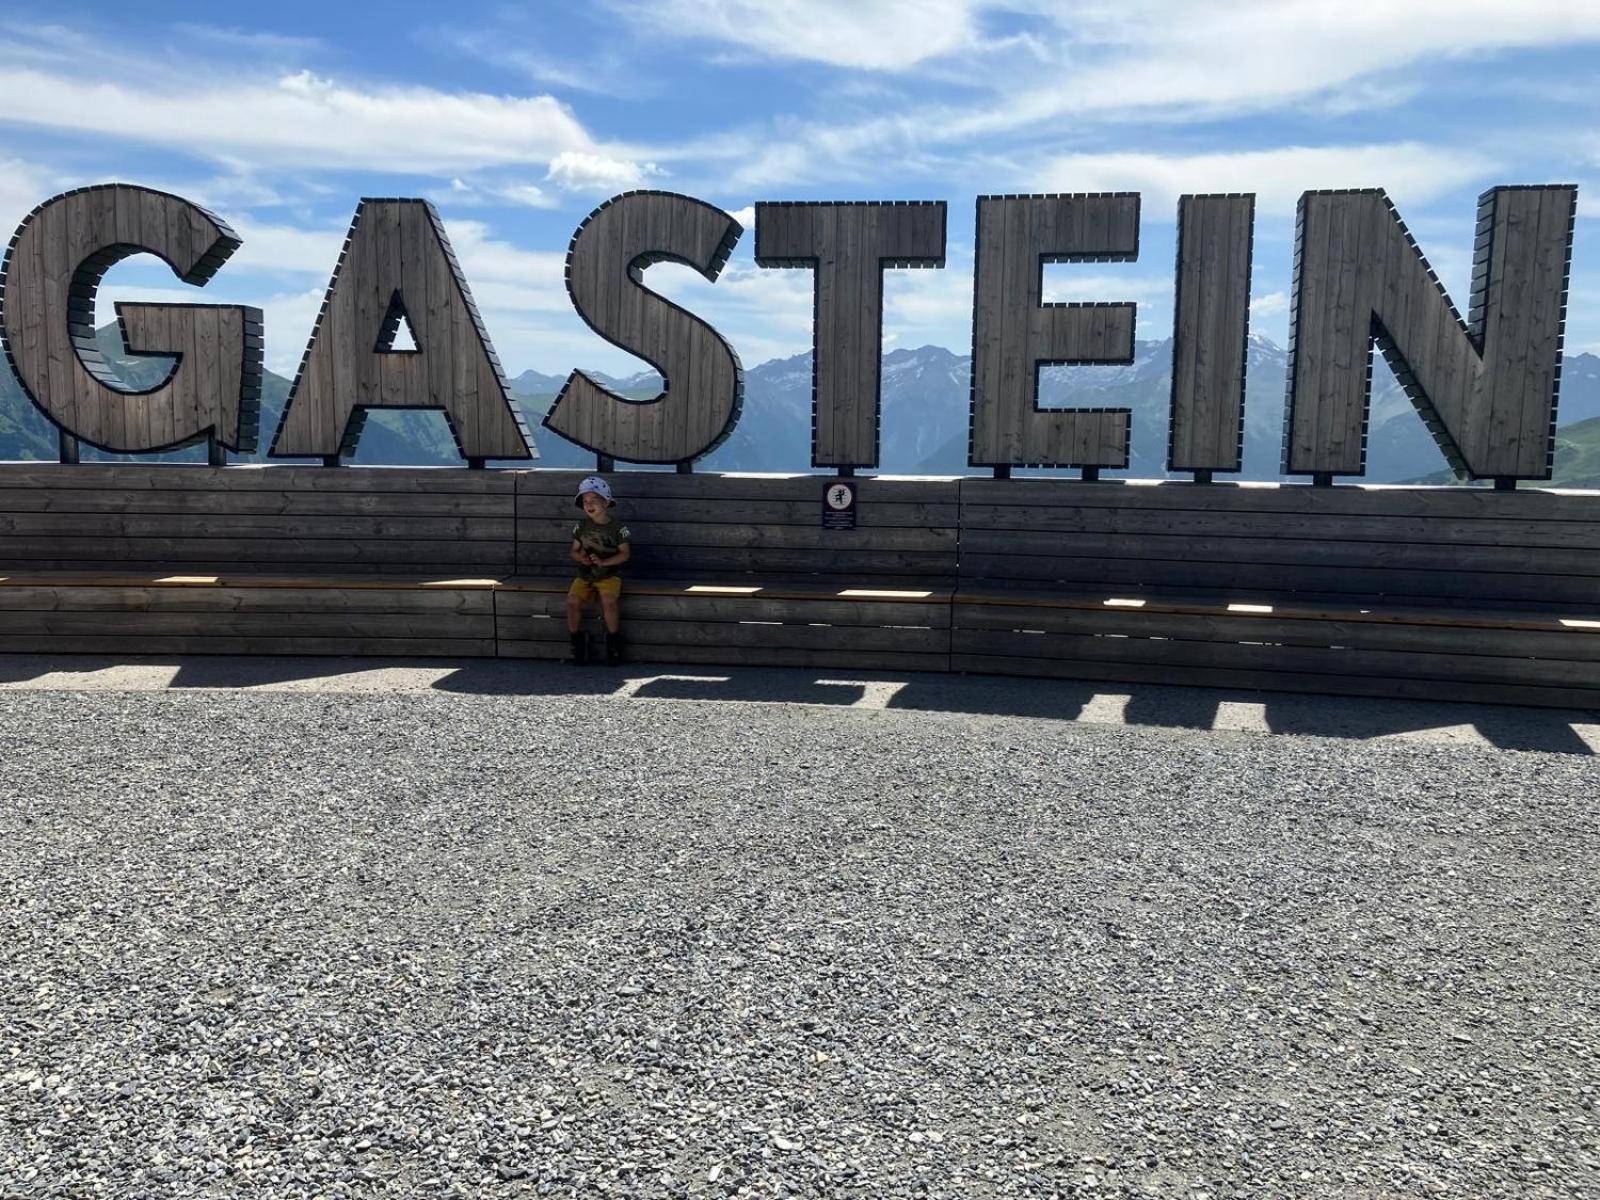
(1408, 171)
(300, 120)
(1105, 63)
(1270, 305)
(871, 34)
(523, 195)
(584, 171)
(1239, 55)
(288, 318)
(286, 249)
(23, 187)
(527, 194)
(1069, 283)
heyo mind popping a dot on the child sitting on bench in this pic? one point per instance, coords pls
(600, 547)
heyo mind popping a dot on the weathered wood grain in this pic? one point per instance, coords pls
(703, 383)
(1177, 654)
(254, 519)
(1367, 499)
(397, 256)
(1486, 387)
(1475, 592)
(848, 246)
(52, 272)
(735, 525)
(1211, 327)
(1014, 333)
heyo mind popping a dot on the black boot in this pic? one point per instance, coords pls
(580, 649)
(613, 648)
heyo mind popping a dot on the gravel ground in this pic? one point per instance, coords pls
(286, 944)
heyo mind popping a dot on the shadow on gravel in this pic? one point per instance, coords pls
(231, 672)
(514, 677)
(796, 689)
(20, 669)
(1173, 707)
(1549, 730)
(1156, 706)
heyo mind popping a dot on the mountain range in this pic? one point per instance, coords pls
(926, 395)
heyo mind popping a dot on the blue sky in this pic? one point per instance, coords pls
(518, 120)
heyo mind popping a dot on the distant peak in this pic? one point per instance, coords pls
(928, 351)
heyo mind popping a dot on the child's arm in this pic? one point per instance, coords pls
(624, 551)
(581, 556)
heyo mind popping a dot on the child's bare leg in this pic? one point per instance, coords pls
(612, 613)
(574, 613)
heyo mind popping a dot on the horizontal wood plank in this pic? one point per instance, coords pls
(1258, 581)
(712, 610)
(761, 656)
(254, 527)
(368, 647)
(1045, 548)
(740, 512)
(1553, 642)
(1136, 523)
(341, 599)
(635, 488)
(257, 502)
(1178, 653)
(247, 477)
(135, 625)
(1524, 503)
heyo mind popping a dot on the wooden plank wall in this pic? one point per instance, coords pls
(1468, 594)
(737, 569)
(720, 527)
(1427, 593)
(1408, 545)
(280, 520)
(899, 626)
(245, 616)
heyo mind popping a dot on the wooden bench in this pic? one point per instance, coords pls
(1424, 592)
(158, 559)
(738, 569)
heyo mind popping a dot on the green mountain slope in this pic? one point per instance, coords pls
(394, 438)
(1578, 455)
(1577, 463)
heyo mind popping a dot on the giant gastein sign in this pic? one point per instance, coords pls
(1487, 386)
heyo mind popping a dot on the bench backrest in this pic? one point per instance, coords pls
(734, 525)
(1472, 546)
(136, 518)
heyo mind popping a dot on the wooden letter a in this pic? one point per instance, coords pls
(397, 259)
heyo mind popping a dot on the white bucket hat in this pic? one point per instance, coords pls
(593, 483)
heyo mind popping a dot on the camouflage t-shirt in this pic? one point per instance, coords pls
(602, 540)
